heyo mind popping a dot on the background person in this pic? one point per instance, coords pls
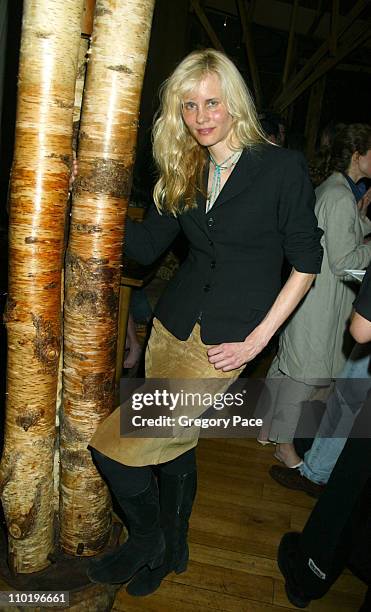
(315, 344)
(312, 561)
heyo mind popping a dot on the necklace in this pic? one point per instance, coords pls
(217, 178)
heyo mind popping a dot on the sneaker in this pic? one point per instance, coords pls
(286, 562)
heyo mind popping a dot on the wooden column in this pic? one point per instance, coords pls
(314, 115)
(93, 263)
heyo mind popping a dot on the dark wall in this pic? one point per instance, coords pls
(9, 99)
(168, 45)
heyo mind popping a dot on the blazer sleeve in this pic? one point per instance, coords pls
(343, 248)
(297, 221)
(146, 241)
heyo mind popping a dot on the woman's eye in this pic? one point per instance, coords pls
(189, 105)
(213, 103)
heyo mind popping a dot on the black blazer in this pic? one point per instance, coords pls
(232, 274)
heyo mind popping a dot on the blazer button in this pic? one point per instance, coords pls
(207, 287)
(211, 243)
(213, 264)
(210, 221)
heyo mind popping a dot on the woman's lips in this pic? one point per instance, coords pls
(205, 131)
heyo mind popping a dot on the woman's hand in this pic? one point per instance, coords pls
(74, 173)
(364, 203)
(232, 355)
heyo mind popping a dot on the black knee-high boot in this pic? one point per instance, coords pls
(145, 545)
(177, 493)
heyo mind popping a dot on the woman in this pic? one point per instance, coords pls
(243, 204)
(315, 345)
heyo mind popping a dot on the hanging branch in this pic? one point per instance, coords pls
(39, 186)
(93, 264)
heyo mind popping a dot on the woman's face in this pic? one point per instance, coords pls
(364, 162)
(205, 114)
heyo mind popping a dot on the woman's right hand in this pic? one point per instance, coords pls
(364, 203)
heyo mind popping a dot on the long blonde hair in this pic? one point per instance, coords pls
(179, 157)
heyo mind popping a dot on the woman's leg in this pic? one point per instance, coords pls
(178, 478)
(342, 407)
(133, 348)
(312, 561)
(289, 395)
(170, 358)
(123, 480)
(135, 489)
(178, 482)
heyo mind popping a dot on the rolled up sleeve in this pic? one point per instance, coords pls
(301, 236)
(344, 250)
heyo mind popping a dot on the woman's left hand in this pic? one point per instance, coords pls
(74, 172)
(232, 355)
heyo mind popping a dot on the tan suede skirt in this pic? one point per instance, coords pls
(169, 358)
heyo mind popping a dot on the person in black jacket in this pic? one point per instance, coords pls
(312, 561)
(244, 204)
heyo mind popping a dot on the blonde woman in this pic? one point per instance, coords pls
(243, 204)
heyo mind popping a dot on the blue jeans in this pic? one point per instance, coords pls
(342, 408)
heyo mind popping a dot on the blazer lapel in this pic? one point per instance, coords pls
(242, 176)
(198, 213)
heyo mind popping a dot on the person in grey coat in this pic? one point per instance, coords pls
(315, 344)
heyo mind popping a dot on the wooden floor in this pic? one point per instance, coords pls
(239, 517)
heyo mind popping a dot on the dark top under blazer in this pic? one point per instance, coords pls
(232, 274)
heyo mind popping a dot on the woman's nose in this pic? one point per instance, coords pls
(202, 115)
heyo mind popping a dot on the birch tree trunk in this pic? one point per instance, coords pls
(93, 263)
(39, 186)
(79, 91)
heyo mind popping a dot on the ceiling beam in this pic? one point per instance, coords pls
(275, 14)
(352, 42)
(334, 27)
(195, 4)
(249, 45)
(313, 118)
(323, 49)
(321, 10)
(290, 43)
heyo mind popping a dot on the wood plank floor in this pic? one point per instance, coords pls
(239, 517)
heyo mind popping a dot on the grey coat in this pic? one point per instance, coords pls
(314, 343)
